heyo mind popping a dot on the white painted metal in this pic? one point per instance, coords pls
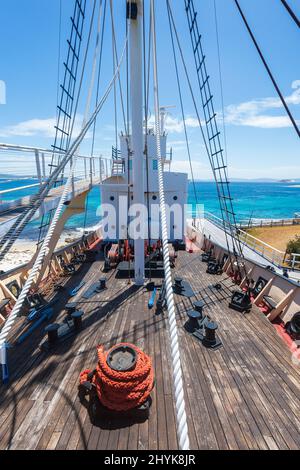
(38, 166)
(136, 92)
(44, 167)
(23, 148)
(163, 114)
(6, 191)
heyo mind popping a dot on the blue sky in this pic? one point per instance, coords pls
(260, 139)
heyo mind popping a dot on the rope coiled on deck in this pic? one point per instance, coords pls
(121, 391)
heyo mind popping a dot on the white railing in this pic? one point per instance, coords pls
(18, 162)
(268, 252)
(255, 223)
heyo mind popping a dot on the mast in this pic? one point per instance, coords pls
(135, 16)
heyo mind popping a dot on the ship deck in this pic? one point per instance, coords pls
(246, 395)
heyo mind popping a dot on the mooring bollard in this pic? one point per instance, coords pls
(52, 331)
(77, 319)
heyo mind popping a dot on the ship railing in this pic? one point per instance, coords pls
(276, 257)
(168, 160)
(33, 163)
(244, 224)
(118, 166)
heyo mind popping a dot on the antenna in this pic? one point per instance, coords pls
(163, 114)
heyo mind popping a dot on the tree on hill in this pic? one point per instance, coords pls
(293, 245)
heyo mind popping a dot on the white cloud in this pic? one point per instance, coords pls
(33, 127)
(254, 113)
(175, 125)
(174, 143)
(258, 113)
(2, 92)
(38, 128)
(200, 170)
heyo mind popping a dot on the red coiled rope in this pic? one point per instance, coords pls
(122, 391)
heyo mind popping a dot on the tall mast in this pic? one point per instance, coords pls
(135, 16)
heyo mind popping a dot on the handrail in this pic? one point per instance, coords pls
(95, 166)
(257, 223)
(24, 148)
(270, 253)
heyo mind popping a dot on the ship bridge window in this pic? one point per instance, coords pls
(155, 164)
(154, 198)
(175, 198)
(112, 198)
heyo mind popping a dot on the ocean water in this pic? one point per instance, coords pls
(251, 200)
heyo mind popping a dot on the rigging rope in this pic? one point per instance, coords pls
(128, 149)
(45, 246)
(291, 12)
(226, 224)
(126, 120)
(221, 82)
(99, 73)
(214, 144)
(24, 218)
(68, 85)
(83, 70)
(59, 51)
(44, 226)
(182, 109)
(114, 67)
(182, 428)
(268, 69)
(115, 52)
(146, 104)
(65, 104)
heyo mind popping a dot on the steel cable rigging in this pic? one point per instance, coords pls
(291, 117)
(34, 273)
(213, 148)
(182, 109)
(291, 12)
(45, 224)
(65, 109)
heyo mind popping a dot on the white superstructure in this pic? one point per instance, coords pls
(114, 191)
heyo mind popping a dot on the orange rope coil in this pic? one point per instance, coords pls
(122, 391)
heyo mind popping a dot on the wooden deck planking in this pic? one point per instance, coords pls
(218, 315)
(243, 396)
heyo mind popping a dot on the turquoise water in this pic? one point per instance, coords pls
(251, 200)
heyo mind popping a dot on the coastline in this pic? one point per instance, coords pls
(24, 249)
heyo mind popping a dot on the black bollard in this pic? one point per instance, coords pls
(293, 326)
(77, 319)
(193, 322)
(52, 331)
(70, 308)
(178, 284)
(198, 306)
(209, 339)
(103, 283)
